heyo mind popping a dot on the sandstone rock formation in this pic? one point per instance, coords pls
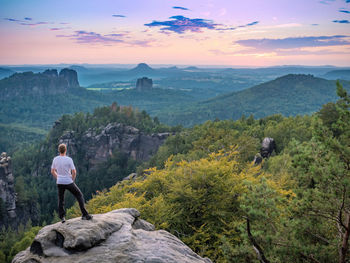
(51, 72)
(118, 236)
(97, 145)
(40, 84)
(7, 190)
(144, 84)
(11, 213)
(70, 76)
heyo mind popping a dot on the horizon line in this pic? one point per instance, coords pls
(167, 65)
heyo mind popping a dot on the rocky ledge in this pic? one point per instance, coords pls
(118, 236)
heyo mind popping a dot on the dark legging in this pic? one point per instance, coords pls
(73, 188)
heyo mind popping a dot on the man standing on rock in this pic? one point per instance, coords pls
(64, 171)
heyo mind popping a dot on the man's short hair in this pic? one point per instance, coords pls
(62, 148)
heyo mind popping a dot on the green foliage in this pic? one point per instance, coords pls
(15, 136)
(2, 257)
(297, 204)
(289, 95)
(13, 241)
(36, 159)
(202, 187)
(197, 142)
(319, 226)
(203, 202)
(25, 241)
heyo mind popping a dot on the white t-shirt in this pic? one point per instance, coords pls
(63, 166)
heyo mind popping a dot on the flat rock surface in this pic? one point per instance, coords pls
(116, 236)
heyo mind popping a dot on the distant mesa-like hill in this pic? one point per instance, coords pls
(38, 84)
(142, 68)
(288, 95)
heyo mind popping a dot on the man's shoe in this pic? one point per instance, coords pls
(63, 219)
(86, 217)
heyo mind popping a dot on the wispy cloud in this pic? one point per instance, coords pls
(28, 21)
(58, 28)
(181, 24)
(181, 8)
(12, 20)
(267, 44)
(234, 28)
(86, 37)
(34, 24)
(140, 43)
(341, 21)
(280, 52)
(344, 11)
(327, 2)
(251, 24)
(118, 16)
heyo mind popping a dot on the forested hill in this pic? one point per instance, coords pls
(289, 95)
(37, 99)
(338, 74)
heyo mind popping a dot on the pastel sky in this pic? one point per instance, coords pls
(203, 32)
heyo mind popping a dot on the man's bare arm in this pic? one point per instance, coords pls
(54, 173)
(74, 174)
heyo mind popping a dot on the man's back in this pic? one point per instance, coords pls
(63, 166)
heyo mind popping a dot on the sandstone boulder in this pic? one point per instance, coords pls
(118, 236)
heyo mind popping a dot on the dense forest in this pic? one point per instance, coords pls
(36, 159)
(180, 97)
(293, 208)
(289, 95)
(202, 186)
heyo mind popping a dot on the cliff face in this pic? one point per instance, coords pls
(117, 236)
(11, 212)
(30, 84)
(70, 76)
(7, 190)
(97, 145)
